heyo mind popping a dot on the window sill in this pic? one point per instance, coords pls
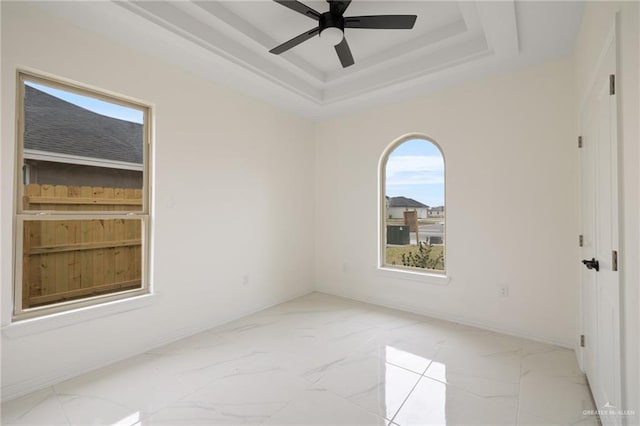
(44, 323)
(423, 277)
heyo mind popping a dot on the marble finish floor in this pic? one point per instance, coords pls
(324, 360)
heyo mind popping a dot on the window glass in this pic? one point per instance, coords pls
(72, 259)
(414, 207)
(83, 213)
(80, 152)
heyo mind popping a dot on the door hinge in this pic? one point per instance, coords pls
(579, 141)
(581, 240)
(614, 260)
(612, 84)
(582, 340)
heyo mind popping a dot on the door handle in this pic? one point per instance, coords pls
(592, 264)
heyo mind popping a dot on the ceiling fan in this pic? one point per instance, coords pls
(331, 26)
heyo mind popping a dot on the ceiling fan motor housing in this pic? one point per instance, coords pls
(327, 20)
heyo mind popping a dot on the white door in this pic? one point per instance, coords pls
(600, 288)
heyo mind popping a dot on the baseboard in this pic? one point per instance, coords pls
(16, 390)
(457, 319)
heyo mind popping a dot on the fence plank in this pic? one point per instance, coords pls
(118, 252)
(62, 268)
(30, 190)
(130, 234)
(71, 201)
(109, 254)
(86, 257)
(34, 280)
(98, 259)
(26, 266)
(76, 247)
(72, 294)
(48, 232)
(74, 193)
(73, 257)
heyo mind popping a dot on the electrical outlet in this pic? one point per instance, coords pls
(503, 290)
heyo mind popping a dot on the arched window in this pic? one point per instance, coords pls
(412, 206)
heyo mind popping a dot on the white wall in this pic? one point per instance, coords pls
(223, 188)
(512, 202)
(597, 20)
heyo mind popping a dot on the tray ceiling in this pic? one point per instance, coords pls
(228, 41)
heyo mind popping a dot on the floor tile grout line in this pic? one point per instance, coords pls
(414, 386)
(33, 406)
(64, 411)
(406, 398)
(517, 420)
(420, 375)
(353, 403)
(407, 369)
(435, 354)
(458, 388)
(462, 389)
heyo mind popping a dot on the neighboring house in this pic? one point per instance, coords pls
(396, 206)
(436, 211)
(65, 144)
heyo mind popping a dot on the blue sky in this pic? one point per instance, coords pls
(415, 169)
(101, 107)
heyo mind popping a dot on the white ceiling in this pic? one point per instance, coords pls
(228, 42)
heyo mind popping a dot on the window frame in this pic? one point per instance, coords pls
(398, 271)
(21, 215)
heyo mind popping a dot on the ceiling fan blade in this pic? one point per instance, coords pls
(385, 22)
(338, 7)
(295, 41)
(344, 53)
(300, 8)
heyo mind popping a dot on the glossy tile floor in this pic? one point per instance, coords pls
(323, 360)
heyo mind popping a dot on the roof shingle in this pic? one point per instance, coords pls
(405, 202)
(55, 125)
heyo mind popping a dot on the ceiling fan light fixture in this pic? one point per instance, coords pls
(332, 35)
(331, 26)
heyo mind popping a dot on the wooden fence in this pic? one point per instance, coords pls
(70, 259)
(75, 198)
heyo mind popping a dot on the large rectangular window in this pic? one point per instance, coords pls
(83, 189)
